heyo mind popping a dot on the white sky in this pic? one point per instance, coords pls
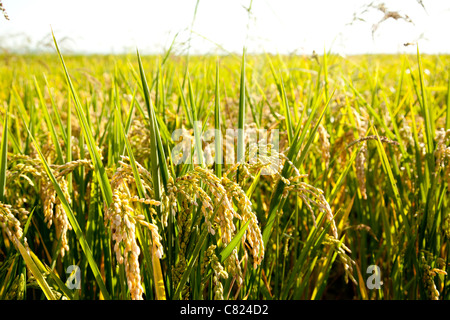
(283, 26)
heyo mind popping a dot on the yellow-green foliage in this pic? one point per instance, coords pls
(361, 177)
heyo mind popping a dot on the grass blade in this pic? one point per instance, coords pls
(4, 156)
(196, 125)
(74, 223)
(241, 117)
(447, 118)
(157, 159)
(50, 126)
(35, 271)
(218, 135)
(99, 169)
(287, 112)
(225, 253)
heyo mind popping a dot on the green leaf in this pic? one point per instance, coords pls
(56, 111)
(73, 222)
(157, 156)
(218, 135)
(53, 275)
(241, 116)
(4, 156)
(447, 118)
(225, 253)
(50, 126)
(287, 112)
(35, 271)
(196, 125)
(99, 169)
(426, 111)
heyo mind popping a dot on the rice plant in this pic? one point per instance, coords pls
(254, 177)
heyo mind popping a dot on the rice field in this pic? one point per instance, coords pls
(238, 177)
